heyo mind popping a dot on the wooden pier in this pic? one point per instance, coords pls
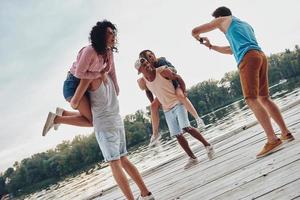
(234, 173)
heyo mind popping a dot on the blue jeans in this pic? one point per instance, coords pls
(70, 85)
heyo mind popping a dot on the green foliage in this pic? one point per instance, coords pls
(68, 157)
(137, 128)
(2, 186)
(207, 95)
(284, 65)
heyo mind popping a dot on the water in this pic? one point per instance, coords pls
(219, 122)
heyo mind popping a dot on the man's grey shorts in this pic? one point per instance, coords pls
(112, 143)
(177, 119)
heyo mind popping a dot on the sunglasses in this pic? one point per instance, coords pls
(142, 60)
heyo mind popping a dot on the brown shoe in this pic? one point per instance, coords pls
(287, 138)
(269, 148)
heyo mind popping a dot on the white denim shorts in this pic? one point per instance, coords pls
(177, 119)
(112, 143)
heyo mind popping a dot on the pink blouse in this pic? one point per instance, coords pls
(89, 65)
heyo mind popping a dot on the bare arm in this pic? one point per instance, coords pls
(220, 49)
(149, 96)
(224, 50)
(204, 28)
(168, 74)
(80, 90)
(214, 24)
(113, 75)
(142, 85)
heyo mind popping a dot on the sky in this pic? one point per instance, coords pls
(39, 41)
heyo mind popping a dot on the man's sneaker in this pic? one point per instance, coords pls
(287, 138)
(200, 124)
(191, 162)
(49, 123)
(210, 152)
(149, 197)
(269, 148)
(58, 112)
(154, 141)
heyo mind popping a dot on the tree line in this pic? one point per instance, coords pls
(83, 153)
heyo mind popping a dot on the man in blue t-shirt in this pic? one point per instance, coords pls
(253, 70)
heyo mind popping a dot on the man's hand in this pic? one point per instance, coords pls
(197, 37)
(104, 77)
(185, 93)
(74, 103)
(206, 42)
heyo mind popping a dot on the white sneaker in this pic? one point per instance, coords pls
(191, 162)
(49, 123)
(210, 152)
(58, 112)
(154, 141)
(149, 197)
(200, 124)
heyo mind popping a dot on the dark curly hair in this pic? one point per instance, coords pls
(98, 36)
(143, 53)
(221, 12)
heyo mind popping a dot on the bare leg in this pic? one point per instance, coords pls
(263, 118)
(121, 179)
(82, 118)
(155, 105)
(274, 112)
(70, 113)
(196, 134)
(135, 175)
(186, 102)
(185, 145)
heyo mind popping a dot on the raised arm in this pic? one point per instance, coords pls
(214, 24)
(204, 28)
(168, 74)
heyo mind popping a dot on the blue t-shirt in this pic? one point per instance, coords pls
(241, 38)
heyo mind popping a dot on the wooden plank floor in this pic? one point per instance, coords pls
(234, 173)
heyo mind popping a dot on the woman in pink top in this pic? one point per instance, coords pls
(94, 62)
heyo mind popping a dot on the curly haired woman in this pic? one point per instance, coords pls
(94, 62)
